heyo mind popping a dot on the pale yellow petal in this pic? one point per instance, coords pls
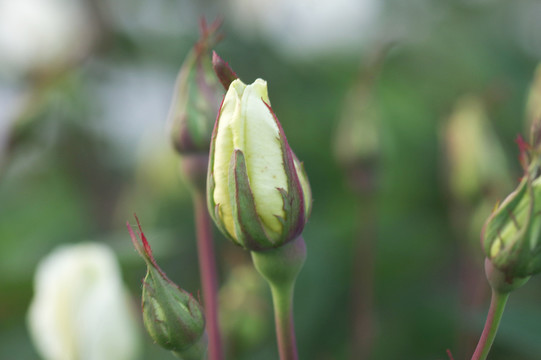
(223, 149)
(263, 156)
(306, 190)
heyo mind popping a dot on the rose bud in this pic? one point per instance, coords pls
(258, 193)
(511, 236)
(197, 97)
(172, 317)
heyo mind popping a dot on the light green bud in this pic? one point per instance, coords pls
(511, 237)
(172, 317)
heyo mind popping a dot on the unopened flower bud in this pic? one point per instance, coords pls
(511, 236)
(258, 193)
(172, 317)
(475, 159)
(197, 97)
(357, 141)
(533, 105)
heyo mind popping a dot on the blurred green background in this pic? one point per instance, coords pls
(84, 145)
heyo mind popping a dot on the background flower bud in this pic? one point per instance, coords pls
(476, 163)
(511, 236)
(172, 317)
(80, 308)
(197, 97)
(533, 104)
(258, 193)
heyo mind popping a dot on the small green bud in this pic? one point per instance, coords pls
(197, 97)
(511, 236)
(258, 193)
(172, 317)
(357, 140)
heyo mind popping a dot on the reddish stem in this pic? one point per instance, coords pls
(207, 268)
(497, 305)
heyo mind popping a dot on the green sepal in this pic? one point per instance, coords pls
(248, 228)
(502, 216)
(293, 199)
(307, 202)
(519, 255)
(173, 318)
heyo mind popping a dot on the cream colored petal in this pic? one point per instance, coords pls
(76, 290)
(263, 156)
(306, 190)
(223, 149)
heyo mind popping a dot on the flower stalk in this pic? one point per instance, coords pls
(495, 313)
(280, 268)
(207, 269)
(282, 298)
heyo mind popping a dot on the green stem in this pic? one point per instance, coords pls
(280, 267)
(282, 298)
(497, 306)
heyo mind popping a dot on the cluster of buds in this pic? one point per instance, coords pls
(172, 317)
(257, 191)
(511, 236)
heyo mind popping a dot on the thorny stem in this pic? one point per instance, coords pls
(207, 268)
(497, 306)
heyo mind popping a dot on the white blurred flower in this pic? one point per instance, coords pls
(81, 310)
(37, 34)
(307, 27)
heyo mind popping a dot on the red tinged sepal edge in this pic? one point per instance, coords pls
(223, 71)
(524, 149)
(173, 318)
(141, 244)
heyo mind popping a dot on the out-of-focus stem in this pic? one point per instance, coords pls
(207, 268)
(497, 306)
(362, 296)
